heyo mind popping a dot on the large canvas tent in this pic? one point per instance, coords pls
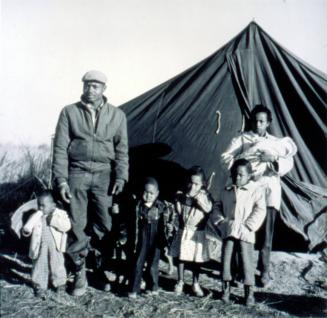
(191, 118)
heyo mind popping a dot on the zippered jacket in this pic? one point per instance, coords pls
(81, 145)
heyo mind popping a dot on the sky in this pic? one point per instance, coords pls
(47, 46)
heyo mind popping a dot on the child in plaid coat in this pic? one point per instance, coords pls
(151, 237)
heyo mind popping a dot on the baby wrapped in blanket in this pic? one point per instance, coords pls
(279, 148)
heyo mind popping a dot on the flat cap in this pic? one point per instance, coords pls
(95, 76)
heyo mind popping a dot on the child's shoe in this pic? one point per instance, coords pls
(226, 292)
(132, 295)
(179, 287)
(39, 292)
(197, 290)
(153, 292)
(249, 295)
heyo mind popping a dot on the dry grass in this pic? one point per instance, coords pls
(287, 297)
(19, 163)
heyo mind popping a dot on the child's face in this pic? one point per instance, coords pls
(242, 176)
(195, 185)
(46, 205)
(150, 193)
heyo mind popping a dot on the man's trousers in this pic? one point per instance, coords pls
(89, 207)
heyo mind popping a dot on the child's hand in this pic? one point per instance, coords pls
(170, 228)
(265, 156)
(122, 241)
(246, 228)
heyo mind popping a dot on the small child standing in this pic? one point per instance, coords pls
(242, 212)
(192, 207)
(151, 237)
(48, 227)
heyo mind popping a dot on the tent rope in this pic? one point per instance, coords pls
(218, 121)
(210, 180)
(243, 124)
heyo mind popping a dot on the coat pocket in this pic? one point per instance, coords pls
(78, 150)
(104, 151)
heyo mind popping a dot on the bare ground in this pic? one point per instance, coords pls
(299, 289)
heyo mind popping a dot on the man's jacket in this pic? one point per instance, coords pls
(81, 145)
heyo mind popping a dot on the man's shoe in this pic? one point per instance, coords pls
(179, 287)
(226, 292)
(80, 283)
(249, 296)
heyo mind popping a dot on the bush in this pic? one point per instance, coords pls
(24, 171)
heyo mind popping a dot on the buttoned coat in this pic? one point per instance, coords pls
(59, 225)
(241, 211)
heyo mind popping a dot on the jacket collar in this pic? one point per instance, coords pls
(253, 134)
(88, 105)
(156, 204)
(246, 187)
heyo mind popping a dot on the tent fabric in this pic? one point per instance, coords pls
(191, 118)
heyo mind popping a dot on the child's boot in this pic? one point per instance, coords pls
(197, 290)
(39, 292)
(179, 287)
(249, 295)
(226, 292)
(132, 295)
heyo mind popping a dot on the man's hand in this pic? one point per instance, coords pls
(266, 157)
(118, 187)
(65, 193)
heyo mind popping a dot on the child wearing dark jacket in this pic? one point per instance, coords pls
(151, 236)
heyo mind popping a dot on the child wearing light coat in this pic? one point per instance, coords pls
(48, 229)
(242, 212)
(189, 245)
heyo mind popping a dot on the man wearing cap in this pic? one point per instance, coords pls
(90, 164)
